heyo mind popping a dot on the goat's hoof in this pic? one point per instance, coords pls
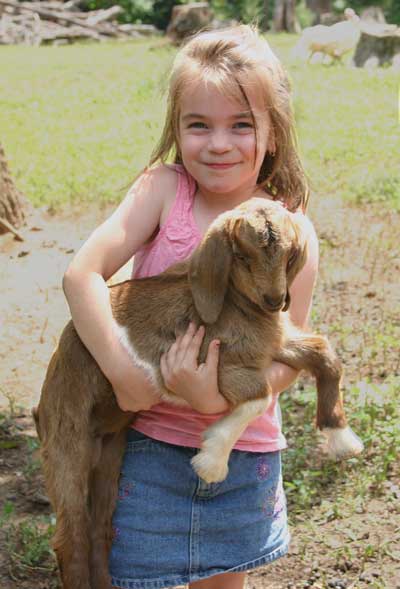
(210, 469)
(341, 442)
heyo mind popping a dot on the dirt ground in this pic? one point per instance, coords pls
(356, 298)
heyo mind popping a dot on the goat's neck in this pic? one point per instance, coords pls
(244, 305)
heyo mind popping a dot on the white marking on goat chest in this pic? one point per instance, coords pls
(123, 336)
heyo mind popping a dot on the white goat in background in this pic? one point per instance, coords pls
(334, 41)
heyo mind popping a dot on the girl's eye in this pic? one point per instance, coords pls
(197, 125)
(243, 125)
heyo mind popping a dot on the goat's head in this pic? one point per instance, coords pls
(256, 249)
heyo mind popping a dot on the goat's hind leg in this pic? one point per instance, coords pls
(103, 496)
(67, 468)
(211, 463)
(313, 353)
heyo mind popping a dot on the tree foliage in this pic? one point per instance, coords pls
(158, 12)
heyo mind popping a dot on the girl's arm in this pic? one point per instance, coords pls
(280, 376)
(109, 247)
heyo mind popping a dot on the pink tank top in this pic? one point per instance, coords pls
(183, 426)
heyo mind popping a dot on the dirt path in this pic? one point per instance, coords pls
(356, 303)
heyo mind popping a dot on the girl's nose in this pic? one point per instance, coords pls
(219, 142)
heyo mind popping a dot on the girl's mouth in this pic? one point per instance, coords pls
(220, 166)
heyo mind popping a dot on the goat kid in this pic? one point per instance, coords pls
(237, 284)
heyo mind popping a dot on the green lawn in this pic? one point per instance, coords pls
(79, 122)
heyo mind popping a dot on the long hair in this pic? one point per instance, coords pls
(237, 60)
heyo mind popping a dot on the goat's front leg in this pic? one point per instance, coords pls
(313, 353)
(211, 463)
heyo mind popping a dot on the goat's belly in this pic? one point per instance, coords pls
(152, 371)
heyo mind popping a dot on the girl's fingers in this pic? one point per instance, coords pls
(213, 355)
(164, 367)
(171, 356)
(175, 354)
(193, 349)
(184, 342)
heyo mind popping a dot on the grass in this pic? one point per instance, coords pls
(25, 540)
(340, 488)
(28, 544)
(79, 122)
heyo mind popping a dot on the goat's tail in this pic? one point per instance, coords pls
(36, 420)
(67, 457)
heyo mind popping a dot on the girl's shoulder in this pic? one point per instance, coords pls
(162, 179)
(159, 184)
(177, 189)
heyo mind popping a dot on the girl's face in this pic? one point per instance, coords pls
(218, 142)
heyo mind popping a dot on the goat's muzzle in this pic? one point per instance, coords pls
(274, 304)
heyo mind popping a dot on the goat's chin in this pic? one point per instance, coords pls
(168, 397)
(273, 310)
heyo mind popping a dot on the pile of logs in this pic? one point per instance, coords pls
(34, 23)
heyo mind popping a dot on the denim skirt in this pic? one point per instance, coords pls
(171, 528)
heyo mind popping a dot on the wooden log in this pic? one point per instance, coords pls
(139, 29)
(379, 45)
(53, 32)
(8, 227)
(103, 15)
(70, 4)
(59, 17)
(55, 24)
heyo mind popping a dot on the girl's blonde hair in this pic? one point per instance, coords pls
(237, 59)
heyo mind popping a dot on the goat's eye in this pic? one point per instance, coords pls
(242, 258)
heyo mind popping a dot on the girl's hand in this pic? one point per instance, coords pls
(196, 384)
(132, 387)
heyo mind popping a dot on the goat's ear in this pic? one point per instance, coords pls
(209, 271)
(244, 238)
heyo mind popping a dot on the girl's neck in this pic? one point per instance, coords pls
(217, 203)
(207, 206)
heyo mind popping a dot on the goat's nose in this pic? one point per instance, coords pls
(274, 304)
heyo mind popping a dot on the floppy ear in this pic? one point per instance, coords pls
(209, 271)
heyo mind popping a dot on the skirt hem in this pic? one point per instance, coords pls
(163, 583)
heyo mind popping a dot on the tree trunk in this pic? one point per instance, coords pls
(285, 16)
(265, 15)
(379, 45)
(319, 7)
(12, 203)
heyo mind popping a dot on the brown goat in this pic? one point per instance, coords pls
(236, 283)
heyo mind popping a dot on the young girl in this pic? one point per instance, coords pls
(229, 128)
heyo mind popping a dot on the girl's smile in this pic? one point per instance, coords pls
(220, 166)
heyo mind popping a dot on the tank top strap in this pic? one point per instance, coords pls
(185, 192)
